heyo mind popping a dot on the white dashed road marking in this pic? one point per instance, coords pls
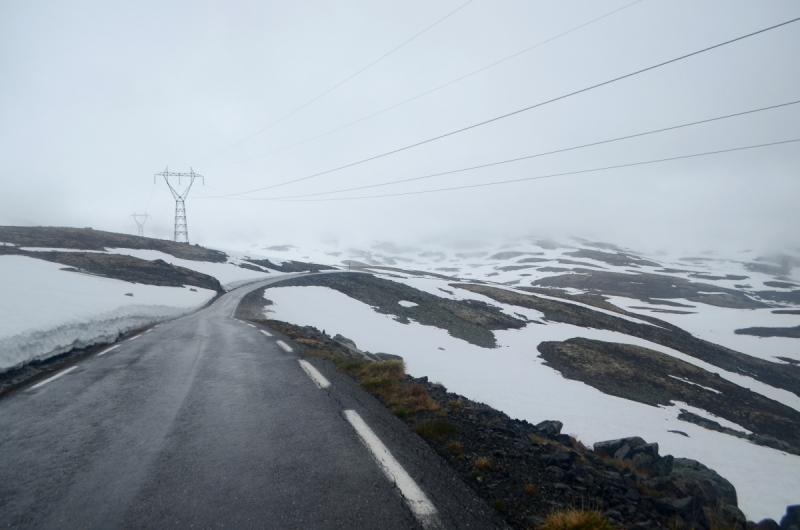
(252, 326)
(59, 374)
(108, 350)
(415, 498)
(268, 334)
(136, 337)
(286, 347)
(314, 374)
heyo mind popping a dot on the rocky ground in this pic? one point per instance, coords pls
(526, 472)
(470, 320)
(88, 239)
(793, 332)
(653, 378)
(661, 332)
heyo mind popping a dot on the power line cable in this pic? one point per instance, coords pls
(528, 157)
(387, 109)
(373, 63)
(553, 175)
(519, 111)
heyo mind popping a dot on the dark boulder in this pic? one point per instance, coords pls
(662, 466)
(696, 480)
(610, 447)
(766, 524)
(684, 506)
(791, 521)
(549, 428)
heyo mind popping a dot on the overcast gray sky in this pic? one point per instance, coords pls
(96, 97)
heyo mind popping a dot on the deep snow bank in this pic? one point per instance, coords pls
(45, 311)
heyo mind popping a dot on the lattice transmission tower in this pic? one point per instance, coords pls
(140, 219)
(181, 228)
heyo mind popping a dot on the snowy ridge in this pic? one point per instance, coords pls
(46, 310)
(36, 345)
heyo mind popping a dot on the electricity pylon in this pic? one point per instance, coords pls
(141, 219)
(181, 228)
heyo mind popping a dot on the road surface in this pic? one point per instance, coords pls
(208, 422)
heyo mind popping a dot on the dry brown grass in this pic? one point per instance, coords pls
(530, 489)
(575, 519)
(455, 448)
(541, 440)
(311, 343)
(386, 380)
(435, 429)
(483, 463)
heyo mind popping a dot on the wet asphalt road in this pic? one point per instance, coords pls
(205, 422)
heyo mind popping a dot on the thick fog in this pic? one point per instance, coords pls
(97, 97)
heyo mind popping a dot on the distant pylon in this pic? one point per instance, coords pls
(181, 228)
(141, 219)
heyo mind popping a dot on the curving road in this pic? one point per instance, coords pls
(207, 422)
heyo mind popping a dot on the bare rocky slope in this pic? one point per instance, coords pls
(526, 471)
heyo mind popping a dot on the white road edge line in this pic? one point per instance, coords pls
(108, 350)
(286, 347)
(252, 326)
(149, 330)
(267, 333)
(415, 498)
(314, 374)
(59, 374)
(136, 337)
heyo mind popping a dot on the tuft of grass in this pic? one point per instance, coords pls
(575, 519)
(483, 463)
(530, 489)
(378, 383)
(541, 440)
(455, 448)
(435, 429)
(456, 403)
(351, 366)
(386, 380)
(395, 369)
(498, 504)
(316, 352)
(311, 343)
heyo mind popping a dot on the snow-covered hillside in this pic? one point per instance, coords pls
(724, 295)
(47, 308)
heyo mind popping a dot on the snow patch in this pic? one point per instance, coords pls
(682, 380)
(47, 311)
(513, 378)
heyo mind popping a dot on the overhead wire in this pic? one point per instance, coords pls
(431, 91)
(519, 111)
(373, 63)
(529, 157)
(539, 177)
